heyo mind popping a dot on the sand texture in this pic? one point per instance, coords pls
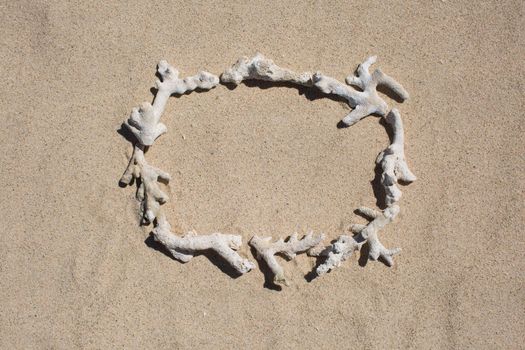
(76, 269)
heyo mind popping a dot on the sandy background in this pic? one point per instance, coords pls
(76, 271)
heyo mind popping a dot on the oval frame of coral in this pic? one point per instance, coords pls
(144, 123)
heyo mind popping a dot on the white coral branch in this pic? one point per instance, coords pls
(345, 245)
(149, 193)
(144, 122)
(363, 102)
(145, 125)
(171, 84)
(185, 247)
(262, 68)
(267, 250)
(392, 161)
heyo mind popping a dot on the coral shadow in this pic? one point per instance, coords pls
(310, 276)
(128, 135)
(363, 255)
(198, 90)
(388, 92)
(377, 187)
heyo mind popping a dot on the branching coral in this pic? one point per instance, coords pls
(262, 68)
(144, 121)
(392, 161)
(266, 250)
(185, 247)
(345, 245)
(149, 193)
(145, 125)
(171, 84)
(363, 102)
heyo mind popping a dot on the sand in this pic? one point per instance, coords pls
(77, 271)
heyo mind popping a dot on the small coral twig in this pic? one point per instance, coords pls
(345, 245)
(185, 247)
(266, 250)
(171, 84)
(262, 68)
(363, 102)
(149, 193)
(392, 161)
(144, 121)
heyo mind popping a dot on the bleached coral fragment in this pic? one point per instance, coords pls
(144, 122)
(364, 80)
(185, 247)
(145, 125)
(262, 68)
(392, 161)
(336, 253)
(171, 84)
(363, 102)
(266, 250)
(149, 193)
(345, 245)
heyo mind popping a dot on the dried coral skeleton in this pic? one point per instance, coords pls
(185, 247)
(266, 250)
(144, 123)
(392, 160)
(367, 101)
(262, 68)
(345, 246)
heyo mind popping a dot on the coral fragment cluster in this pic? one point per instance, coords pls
(360, 91)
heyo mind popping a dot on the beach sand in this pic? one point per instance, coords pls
(76, 269)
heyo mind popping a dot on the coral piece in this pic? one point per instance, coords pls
(145, 125)
(266, 250)
(345, 245)
(171, 84)
(262, 68)
(363, 102)
(185, 247)
(392, 161)
(149, 193)
(144, 121)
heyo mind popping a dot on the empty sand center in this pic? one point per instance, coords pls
(265, 160)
